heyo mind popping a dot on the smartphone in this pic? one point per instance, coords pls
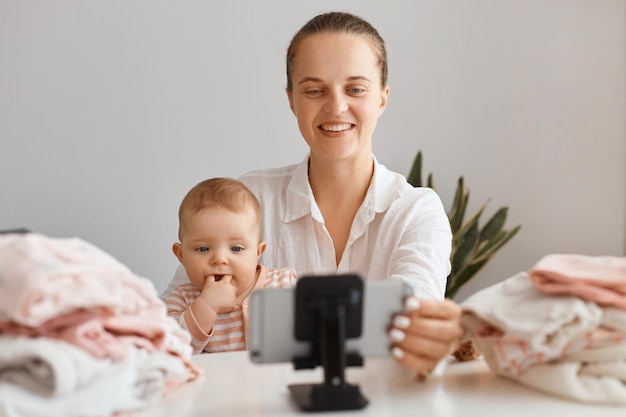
(271, 332)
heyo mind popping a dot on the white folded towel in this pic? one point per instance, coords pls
(44, 377)
(592, 376)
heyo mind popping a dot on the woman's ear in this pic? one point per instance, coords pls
(177, 248)
(384, 95)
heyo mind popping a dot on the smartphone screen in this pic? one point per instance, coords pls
(271, 331)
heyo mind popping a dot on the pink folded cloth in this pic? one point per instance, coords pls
(601, 279)
(43, 277)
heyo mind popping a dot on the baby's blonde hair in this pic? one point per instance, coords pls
(227, 193)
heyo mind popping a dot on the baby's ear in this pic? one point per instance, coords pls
(260, 249)
(177, 248)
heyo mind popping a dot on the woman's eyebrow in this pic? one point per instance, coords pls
(310, 79)
(319, 80)
(359, 78)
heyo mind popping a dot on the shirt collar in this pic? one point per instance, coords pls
(386, 187)
(299, 196)
(383, 190)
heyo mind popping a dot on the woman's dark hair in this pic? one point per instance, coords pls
(338, 22)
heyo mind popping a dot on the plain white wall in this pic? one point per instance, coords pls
(111, 110)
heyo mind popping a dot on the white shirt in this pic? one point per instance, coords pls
(398, 232)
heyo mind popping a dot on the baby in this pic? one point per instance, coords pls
(219, 246)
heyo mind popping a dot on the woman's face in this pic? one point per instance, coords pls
(337, 97)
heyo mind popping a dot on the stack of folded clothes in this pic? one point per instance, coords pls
(559, 328)
(80, 334)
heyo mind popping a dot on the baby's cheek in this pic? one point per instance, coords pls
(198, 280)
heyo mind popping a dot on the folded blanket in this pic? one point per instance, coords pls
(509, 356)
(546, 323)
(601, 279)
(104, 335)
(40, 277)
(560, 344)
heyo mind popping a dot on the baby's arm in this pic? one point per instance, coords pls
(185, 306)
(197, 310)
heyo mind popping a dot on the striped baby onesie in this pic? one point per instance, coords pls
(229, 331)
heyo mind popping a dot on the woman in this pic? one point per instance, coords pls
(341, 211)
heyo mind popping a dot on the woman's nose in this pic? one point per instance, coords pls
(335, 103)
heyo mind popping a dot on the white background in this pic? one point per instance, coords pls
(111, 110)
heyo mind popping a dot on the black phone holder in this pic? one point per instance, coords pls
(328, 311)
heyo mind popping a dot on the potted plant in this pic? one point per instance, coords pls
(473, 246)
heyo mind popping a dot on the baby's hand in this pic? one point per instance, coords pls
(219, 294)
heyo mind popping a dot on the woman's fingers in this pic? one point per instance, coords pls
(417, 352)
(425, 333)
(433, 319)
(428, 328)
(444, 309)
(420, 345)
(417, 363)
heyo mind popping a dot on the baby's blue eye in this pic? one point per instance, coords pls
(202, 249)
(236, 248)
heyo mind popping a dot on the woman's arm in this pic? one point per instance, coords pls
(418, 230)
(429, 328)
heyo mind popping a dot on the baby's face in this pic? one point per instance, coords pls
(220, 242)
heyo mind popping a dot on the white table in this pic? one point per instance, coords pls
(234, 386)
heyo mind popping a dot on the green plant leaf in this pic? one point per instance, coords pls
(496, 242)
(468, 224)
(415, 175)
(431, 181)
(459, 205)
(463, 276)
(466, 242)
(493, 225)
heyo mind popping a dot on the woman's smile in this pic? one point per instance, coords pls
(336, 127)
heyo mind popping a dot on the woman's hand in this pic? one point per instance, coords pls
(425, 333)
